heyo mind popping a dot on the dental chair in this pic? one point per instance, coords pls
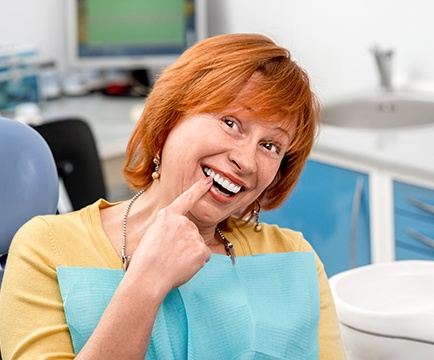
(78, 164)
(29, 184)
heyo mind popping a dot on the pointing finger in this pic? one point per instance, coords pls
(184, 202)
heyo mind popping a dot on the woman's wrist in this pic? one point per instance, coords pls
(150, 286)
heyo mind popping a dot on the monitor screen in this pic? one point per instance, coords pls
(132, 33)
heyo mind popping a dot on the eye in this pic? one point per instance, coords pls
(272, 147)
(230, 122)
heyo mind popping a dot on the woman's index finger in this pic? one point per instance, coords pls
(184, 202)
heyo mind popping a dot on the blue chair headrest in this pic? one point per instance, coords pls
(28, 178)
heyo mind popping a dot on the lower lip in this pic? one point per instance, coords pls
(219, 197)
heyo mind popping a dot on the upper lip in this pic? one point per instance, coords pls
(230, 177)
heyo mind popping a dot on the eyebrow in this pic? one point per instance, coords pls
(286, 132)
(288, 135)
(283, 130)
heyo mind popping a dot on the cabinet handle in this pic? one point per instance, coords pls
(357, 199)
(420, 204)
(419, 237)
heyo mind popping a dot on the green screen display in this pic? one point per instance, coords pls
(135, 22)
(114, 28)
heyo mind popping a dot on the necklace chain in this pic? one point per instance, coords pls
(126, 258)
(229, 247)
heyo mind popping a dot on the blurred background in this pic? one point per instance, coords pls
(331, 39)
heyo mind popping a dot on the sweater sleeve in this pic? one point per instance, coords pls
(330, 343)
(33, 324)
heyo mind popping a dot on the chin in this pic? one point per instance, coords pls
(206, 215)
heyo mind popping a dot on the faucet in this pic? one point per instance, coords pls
(383, 59)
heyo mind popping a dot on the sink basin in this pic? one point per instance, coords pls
(386, 311)
(394, 299)
(380, 111)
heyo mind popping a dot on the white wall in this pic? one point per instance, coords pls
(40, 22)
(330, 38)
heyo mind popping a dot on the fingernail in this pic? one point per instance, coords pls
(207, 180)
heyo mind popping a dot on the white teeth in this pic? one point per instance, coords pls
(221, 181)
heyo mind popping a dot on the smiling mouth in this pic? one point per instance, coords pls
(222, 184)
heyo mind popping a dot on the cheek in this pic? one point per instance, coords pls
(269, 169)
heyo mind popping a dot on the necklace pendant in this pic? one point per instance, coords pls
(231, 252)
(228, 246)
(125, 260)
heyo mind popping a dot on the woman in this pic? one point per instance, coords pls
(226, 131)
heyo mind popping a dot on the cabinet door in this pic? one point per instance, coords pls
(414, 222)
(330, 206)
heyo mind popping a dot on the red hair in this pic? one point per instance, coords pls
(207, 78)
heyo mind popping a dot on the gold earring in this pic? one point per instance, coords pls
(255, 214)
(156, 161)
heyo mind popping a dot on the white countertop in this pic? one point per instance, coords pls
(409, 149)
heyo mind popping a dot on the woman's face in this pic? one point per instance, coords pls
(239, 150)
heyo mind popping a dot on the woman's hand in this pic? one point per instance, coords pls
(169, 254)
(172, 250)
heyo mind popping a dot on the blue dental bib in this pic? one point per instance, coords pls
(266, 307)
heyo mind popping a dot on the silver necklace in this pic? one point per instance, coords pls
(229, 247)
(126, 258)
(230, 251)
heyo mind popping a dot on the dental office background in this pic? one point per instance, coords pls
(331, 39)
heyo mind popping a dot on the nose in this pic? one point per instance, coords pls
(243, 156)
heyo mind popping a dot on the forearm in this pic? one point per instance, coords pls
(125, 328)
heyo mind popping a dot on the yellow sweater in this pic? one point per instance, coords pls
(33, 324)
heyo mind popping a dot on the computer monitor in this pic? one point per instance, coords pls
(132, 34)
